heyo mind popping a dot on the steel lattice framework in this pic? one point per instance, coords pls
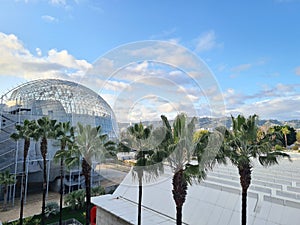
(63, 100)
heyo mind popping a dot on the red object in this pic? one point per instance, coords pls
(93, 215)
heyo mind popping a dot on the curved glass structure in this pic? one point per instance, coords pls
(60, 100)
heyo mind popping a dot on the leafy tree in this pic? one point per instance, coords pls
(65, 134)
(288, 134)
(298, 136)
(179, 145)
(45, 129)
(243, 144)
(285, 132)
(6, 179)
(24, 132)
(198, 134)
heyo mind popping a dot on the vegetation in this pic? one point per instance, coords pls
(298, 136)
(91, 145)
(52, 208)
(68, 213)
(6, 179)
(65, 134)
(147, 159)
(181, 148)
(242, 145)
(288, 134)
(24, 132)
(45, 129)
(75, 199)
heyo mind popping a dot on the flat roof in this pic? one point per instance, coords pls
(273, 197)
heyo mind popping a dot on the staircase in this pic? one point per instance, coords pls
(7, 145)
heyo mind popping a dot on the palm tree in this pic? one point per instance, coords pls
(285, 132)
(179, 144)
(139, 134)
(90, 145)
(24, 132)
(46, 129)
(65, 133)
(6, 179)
(243, 144)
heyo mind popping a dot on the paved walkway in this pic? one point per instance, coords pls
(33, 206)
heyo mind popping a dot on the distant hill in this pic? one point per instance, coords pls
(210, 123)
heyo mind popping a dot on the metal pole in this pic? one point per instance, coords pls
(48, 175)
(70, 181)
(16, 167)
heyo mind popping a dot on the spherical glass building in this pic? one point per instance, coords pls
(57, 99)
(61, 100)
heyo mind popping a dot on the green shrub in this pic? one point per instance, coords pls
(75, 199)
(52, 208)
(295, 147)
(278, 148)
(96, 191)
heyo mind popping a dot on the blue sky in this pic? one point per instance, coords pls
(251, 47)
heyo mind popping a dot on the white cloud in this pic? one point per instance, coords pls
(206, 41)
(282, 108)
(17, 61)
(49, 19)
(38, 51)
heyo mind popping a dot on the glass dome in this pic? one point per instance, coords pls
(61, 100)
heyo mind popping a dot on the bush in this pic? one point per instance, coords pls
(96, 191)
(52, 208)
(75, 199)
(278, 148)
(295, 147)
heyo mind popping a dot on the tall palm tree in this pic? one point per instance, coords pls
(24, 132)
(65, 134)
(179, 144)
(89, 144)
(6, 179)
(46, 129)
(285, 131)
(243, 144)
(139, 134)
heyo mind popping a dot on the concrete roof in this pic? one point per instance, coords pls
(273, 197)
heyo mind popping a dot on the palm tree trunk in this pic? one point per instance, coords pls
(5, 197)
(44, 155)
(285, 138)
(245, 180)
(26, 148)
(61, 189)
(179, 193)
(244, 206)
(63, 145)
(86, 169)
(178, 215)
(140, 176)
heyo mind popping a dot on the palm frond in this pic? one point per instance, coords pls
(272, 158)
